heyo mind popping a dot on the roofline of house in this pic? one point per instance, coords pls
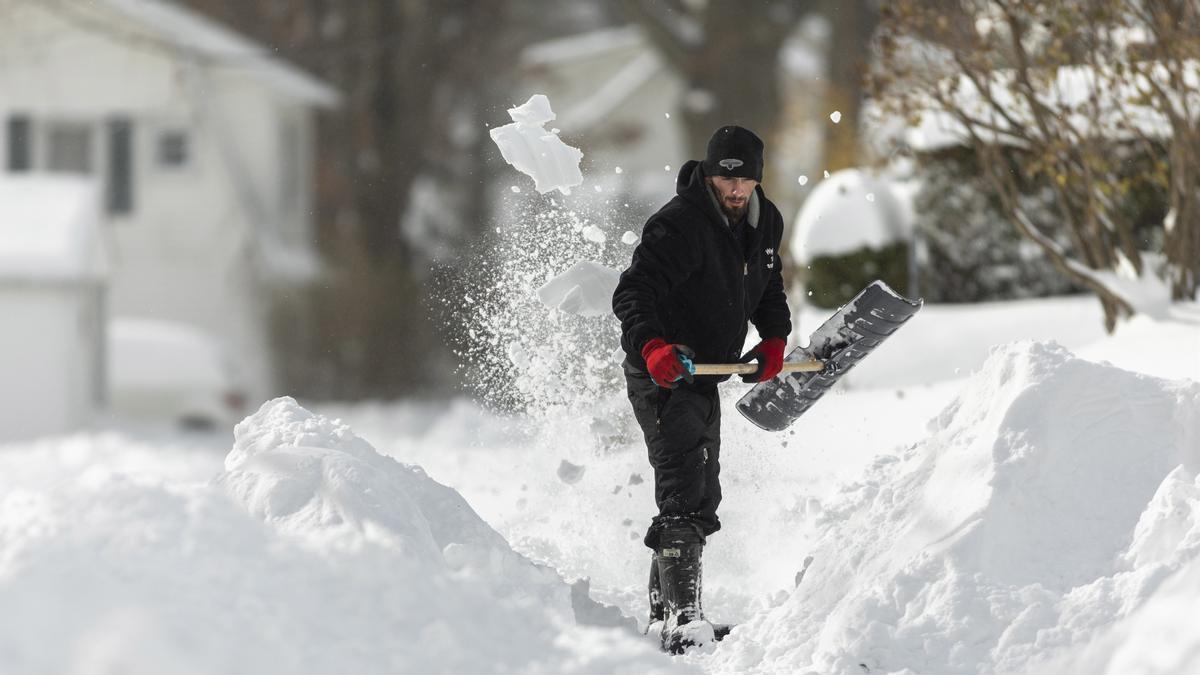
(195, 34)
(582, 45)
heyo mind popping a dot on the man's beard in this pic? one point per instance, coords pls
(734, 213)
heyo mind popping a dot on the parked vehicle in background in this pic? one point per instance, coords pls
(169, 372)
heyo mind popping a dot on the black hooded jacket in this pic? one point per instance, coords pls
(691, 282)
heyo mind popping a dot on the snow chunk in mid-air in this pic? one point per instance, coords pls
(594, 234)
(536, 152)
(585, 289)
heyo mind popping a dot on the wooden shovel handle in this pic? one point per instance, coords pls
(741, 368)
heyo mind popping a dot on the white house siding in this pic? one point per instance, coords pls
(597, 84)
(48, 359)
(188, 250)
(52, 271)
(632, 130)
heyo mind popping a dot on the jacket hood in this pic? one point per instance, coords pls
(690, 185)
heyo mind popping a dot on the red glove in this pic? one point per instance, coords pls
(769, 354)
(664, 362)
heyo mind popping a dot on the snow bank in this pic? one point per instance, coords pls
(1160, 636)
(535, 152)
(310, 553)
(1052, 498)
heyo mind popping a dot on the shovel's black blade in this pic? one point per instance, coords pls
(842, 341)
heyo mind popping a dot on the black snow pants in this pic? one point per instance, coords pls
(682, 427)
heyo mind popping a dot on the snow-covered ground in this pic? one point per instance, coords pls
(978, 499)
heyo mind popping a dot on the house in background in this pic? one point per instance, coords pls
(618, 101)
(52, 296)
(201, 147)
(613, 96)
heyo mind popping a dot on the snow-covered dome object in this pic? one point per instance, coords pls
(847, 211)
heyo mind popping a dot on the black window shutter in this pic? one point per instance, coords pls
(20, 143)
(120, 165)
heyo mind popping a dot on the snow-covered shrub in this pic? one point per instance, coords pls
(834, 280)
(972, 252)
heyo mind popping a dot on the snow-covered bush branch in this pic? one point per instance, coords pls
(1059, 97)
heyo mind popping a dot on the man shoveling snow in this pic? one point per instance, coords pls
(706, 265)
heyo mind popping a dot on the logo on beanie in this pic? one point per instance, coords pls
(730, 164)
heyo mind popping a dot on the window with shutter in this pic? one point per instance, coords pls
(120, 166)
(69, 147)
(173, 149)
(20, 143)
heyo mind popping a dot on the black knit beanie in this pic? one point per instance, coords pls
(734, 152)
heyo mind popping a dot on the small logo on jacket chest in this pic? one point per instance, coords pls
(770, 258)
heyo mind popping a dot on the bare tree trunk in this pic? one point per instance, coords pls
(394, 62)
(853, 23)
(727, 54)
(1182, 233)
(1002, 178)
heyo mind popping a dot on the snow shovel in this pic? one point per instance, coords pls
(846, 338)
(810, 366)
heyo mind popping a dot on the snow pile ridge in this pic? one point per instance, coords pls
(311, 553)
(1170, 526)
(311, 476)
(1045, 505)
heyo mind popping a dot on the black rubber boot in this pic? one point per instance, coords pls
(658, 612)
(654, 591)
(679, 570)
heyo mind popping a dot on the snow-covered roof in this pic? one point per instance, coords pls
(49, 229)
(194, 32)
(609, 95)
(582, 45)
(849, 210)
(799, 59)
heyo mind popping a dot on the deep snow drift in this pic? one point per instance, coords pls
(1047, 520)
(1052, 497)
(310, 553)
(1038, 473)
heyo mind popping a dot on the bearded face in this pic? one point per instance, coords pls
(733, 195)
